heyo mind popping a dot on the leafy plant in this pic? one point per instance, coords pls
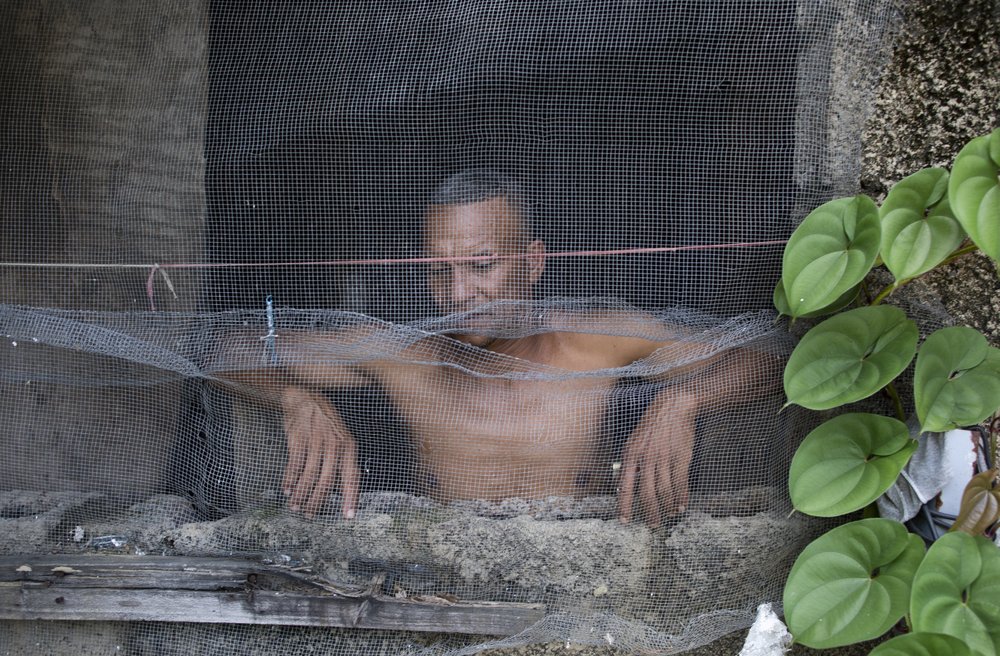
(922, 644)
(855, 579)
(980, 504)
(858, 580)
(846, 462)
(956, 591)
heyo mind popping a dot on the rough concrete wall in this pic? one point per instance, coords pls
(941, 89)
(103, 109)
(562, 552)
(104, 142)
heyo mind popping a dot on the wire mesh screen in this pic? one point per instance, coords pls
(452, 310)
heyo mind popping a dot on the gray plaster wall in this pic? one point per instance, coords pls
(103, 113)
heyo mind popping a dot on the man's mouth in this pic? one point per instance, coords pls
(493, 321)
(477, 319)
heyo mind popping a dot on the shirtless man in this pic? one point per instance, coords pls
(481, 429)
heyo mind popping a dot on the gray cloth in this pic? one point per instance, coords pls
(920, 481)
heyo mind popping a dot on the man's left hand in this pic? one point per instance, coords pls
(657, 457)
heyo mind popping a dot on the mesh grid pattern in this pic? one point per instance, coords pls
(423, 297)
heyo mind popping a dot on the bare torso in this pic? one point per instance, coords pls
(493, 436)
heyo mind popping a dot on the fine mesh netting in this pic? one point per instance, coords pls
(406, 327)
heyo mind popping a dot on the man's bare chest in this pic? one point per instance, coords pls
(442, 404)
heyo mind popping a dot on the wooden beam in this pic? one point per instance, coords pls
(128, 571)
(227, 590)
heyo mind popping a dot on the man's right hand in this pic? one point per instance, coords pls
(321, 453)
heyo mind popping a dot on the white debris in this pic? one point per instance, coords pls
(78, 534)
(65, 569)
(768, 636)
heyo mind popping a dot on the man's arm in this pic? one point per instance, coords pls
(316, 361)
(322, 453)
(658, 453)
(696, 375)
(292, 374)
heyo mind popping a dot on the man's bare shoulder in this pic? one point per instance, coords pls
(608, 339)
(613, 321)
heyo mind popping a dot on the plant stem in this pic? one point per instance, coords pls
(890, 389)
(965, 250)
(888, 290)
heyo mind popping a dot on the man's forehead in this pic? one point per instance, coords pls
(493, 219)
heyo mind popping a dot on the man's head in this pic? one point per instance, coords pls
(480, 213)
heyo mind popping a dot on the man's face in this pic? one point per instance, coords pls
(489, 227)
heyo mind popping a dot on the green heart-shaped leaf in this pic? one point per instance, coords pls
(957, 379)
(852, 583)
(848, 462)
(922, 644)
(849, 356)
(781, 302)
(974, 191)
(913, 240)
(956, 591)
(829, 253)
(980, 507)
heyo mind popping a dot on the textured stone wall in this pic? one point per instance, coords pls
(103, 108)
(941, 89)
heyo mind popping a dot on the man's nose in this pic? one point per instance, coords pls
(463, 288)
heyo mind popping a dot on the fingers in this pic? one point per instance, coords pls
(320, 451)
(349, 479)
(324, 482)
(679, 489)
(309, 476)
(659, 477)
(649, 499)
(626, 494)
(681, 494)
(296, 452)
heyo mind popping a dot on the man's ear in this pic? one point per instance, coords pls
(536, 261)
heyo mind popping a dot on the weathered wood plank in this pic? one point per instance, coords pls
(263, 607)
(126, 563)
(166, 572)
(227, 590)
(127, 571)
